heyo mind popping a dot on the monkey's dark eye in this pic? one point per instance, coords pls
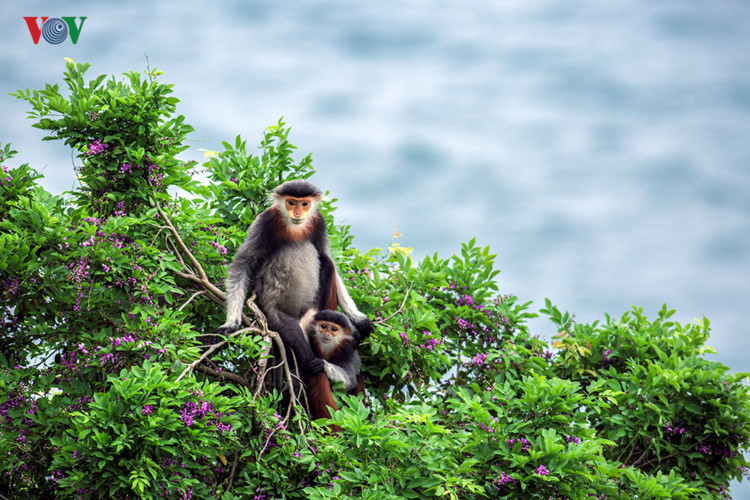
(305, 203)
(334, 329)
(290, 203)
(323, 326)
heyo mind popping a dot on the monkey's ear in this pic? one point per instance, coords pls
(275, 197)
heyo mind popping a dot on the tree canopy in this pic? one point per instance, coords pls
(107, 389)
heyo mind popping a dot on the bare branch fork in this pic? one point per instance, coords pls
(400, 308)
(215, 347)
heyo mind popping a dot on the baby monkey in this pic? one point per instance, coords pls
(334, 340)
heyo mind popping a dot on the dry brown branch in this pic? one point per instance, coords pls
(301, 395)
(183, 306)
(175, 252)
(287, 373)
(262, 376)
(224, 375)
(214, 348)
(156, 236)
(400, 308)
(235, 462)
(184, 247)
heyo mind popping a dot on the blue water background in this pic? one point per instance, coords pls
(599, 148)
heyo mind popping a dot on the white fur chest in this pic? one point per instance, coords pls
(296, 270)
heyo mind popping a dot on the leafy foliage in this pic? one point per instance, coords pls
(102, 323)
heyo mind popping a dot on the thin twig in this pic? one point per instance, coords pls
(400, 308)
(632, 450)
(301, 393)
(671, 455)
(287, 373)
(263, 377)
(184, 247)
(212, 349)
(161, 228)
(200, 292)
(175, 252)
(265, 445)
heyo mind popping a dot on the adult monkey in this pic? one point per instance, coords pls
(286, 260)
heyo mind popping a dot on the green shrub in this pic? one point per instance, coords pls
(104, 391)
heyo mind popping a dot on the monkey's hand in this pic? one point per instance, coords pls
(364, 328)
(316, 365)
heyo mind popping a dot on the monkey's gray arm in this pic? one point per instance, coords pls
(238, 283)
(244, 266)
(339, 374)
(361, 321)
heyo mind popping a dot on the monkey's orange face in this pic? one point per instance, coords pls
(298, 208)
(329, 331)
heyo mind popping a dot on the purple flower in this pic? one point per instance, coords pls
(479, 359)
(97, 147)
(188, 412)
(223, 428)
(222, 249)
(147, 409)
(431, 342)
(541, 470)
(464, 325)
(573, 439)
(503, 479)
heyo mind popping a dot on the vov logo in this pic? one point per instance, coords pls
(54, 30)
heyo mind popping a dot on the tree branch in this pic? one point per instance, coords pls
(184, 247)
(400, 308)
(224, 375)
(183, 306)
(671, 455)
(214, 348)
(235, 462)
